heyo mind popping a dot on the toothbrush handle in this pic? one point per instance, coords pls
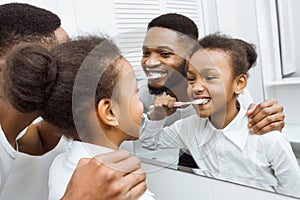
(176, 105)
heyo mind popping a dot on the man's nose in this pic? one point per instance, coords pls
(153, 60)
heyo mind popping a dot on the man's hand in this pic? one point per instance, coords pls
(265, 117)
(112, 176)
(162, 107)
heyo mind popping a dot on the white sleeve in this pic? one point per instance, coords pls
(284, 164)
(155, 136)
(147, 196)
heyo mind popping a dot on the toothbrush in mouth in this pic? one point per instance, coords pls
(197, 101)
(179, 103)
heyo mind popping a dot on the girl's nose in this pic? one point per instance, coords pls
(199, 87)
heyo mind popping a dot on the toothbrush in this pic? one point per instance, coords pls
(197, 101)
(179, 103)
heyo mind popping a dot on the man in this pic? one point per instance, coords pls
(168, 42)
(27, 175)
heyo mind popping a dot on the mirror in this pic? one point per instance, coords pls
(262, 85)
(254, 21)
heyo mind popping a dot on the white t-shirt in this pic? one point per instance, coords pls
(7, 157)
(264, 161)
(28, 178)
(64, 165)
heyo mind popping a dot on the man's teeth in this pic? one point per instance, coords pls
(155, 74)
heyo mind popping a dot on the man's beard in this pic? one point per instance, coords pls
(176, 78)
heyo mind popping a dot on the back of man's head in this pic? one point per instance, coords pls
(25, 23)
(176, 22)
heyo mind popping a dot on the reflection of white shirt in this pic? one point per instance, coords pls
(7, 156)
(265, 161)
(64, 165)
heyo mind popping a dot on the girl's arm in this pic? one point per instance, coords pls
(284, 164)
(155, 136)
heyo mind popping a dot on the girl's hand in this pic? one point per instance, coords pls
(162, 107)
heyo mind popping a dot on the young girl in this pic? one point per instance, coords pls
(219, 140)
(86, 89)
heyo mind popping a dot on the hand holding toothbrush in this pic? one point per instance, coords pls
(169, 104)
(162, 107)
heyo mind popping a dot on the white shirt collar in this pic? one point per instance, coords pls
(237, 130)
(86, 150)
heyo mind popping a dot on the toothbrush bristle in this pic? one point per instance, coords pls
(199, 101)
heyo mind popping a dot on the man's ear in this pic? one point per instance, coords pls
(240, 83)
(105, 112)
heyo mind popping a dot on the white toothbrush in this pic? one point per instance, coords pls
(179, 103)
(197, 101)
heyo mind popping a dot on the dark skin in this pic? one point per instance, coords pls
(265, 117)
(113, 184)
(39, 133)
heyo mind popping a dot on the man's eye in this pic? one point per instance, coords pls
(165, 54)
(146, 53)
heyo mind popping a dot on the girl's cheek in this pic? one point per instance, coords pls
(190, 91)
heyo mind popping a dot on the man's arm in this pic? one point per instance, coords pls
(112, 176)
(265, 117)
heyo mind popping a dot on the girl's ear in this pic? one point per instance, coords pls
(240, 83)
(105, 113)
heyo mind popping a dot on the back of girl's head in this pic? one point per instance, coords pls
(29, 77)
(242, 55)
(39, 80)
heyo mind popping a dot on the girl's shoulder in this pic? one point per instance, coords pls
(274, 140)
(272, 136)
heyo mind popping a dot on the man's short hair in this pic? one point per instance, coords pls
(176, 22)
(21, 22)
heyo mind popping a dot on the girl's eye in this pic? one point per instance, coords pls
(208, 78)
(190, 79)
